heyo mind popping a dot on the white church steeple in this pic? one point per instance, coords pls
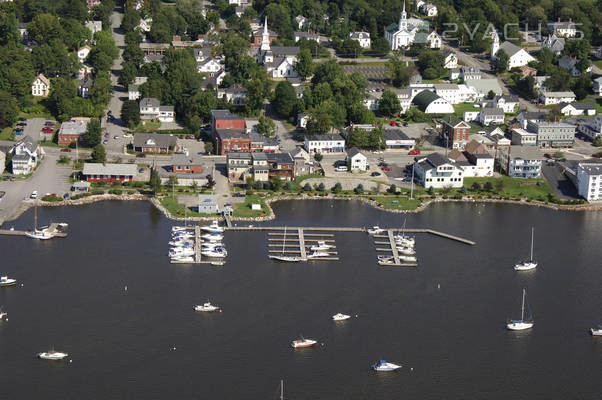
(403, 19)
(265, 37)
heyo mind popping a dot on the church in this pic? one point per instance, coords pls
(403, 34)
(279, 61)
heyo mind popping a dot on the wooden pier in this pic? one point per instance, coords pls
(53, 229)
(294, 241)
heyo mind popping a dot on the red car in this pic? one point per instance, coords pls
(414, 152)
(393, 123)
(597, 155)
(47, 130)
(385, 168)
(66, 150)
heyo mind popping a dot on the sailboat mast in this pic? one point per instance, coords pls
(284, 241)
(35, 218)
(532, 233)
(281, 389)
(522, 313)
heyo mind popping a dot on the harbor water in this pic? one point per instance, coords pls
(109, 297)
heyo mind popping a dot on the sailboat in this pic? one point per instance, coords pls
(282, 256)
(530, 263)
(402, 239)
(37, 233)
(522, 324)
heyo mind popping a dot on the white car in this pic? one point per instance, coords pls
(127, 135)
(34, 195)
(341, 168)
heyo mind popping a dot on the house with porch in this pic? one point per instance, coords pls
(438, 171)
(26, 154)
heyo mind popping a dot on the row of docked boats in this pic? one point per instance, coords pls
(182, 244)
(212, 244)
(320, 250)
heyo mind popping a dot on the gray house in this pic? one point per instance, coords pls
(208, 204)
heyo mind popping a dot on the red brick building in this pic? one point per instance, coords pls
(224, 119)
(455, 132)
(256, 37)
(232, 141)
(281, 165)
(72, 131)
(185, 164)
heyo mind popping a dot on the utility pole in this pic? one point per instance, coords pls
(412, 186)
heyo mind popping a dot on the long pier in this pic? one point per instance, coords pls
(53, 229)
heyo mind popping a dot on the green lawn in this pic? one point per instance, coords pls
(537, 189)
(598, 63)
(397, 202)
(593, 99)
(244, 209)
(180, 210)
(460, 109)
(148, 126)
(6, 133)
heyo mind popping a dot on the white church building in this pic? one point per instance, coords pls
(517, 57)
(403, 34)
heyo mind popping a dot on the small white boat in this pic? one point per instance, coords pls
(2, 314)
(340, 317)
(408, 251)
(522, 324)
(527, 264)
(181, 243)
(303, 343)
(375, 230)
(407, 258)
(214, 253)
(52, 355)
(212, 238)
(322, 245)
(180, 228)
(405, 240)
(317, 254)
(182, 259)
(597, 331)
(181, 251)
(385, 260)
(38, 234)
(213, 228)
(206, 307)
(6, 281)
(218, 263)
(216, 245)
(384, 366)
(285, 258)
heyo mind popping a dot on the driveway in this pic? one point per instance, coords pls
(562, 186)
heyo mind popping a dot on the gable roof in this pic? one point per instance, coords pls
(110, 169)
(43, 79)
(352, 152)
(149, 102)
(474, 147)
(510, 48)
(160, 139)
(454, 121)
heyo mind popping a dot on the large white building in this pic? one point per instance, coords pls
(327, 143)
(357, 161)
(589, 181)
(438, 171)
(517, 57)
(430, 103)
(521, 161)
(363, 38)
(548, 98)
(403, 34)
(592, 128)
(25, 156)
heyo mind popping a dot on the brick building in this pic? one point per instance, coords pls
(455, 132)
(232, 141)
(102, 172)
(185, 164)
(72, 131)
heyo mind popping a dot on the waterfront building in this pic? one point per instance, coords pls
(395, 139)
(357, 161)
(26, 154)
(438, 171)
(186, 164)
(521, 161)
(207, 204)
(475, 160)
(304, 165)
(109, 173)
(322, 144)
(155, 143)
(589, 181)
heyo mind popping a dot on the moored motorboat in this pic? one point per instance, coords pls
(385, 260)
(303, 343)
(213, 228)
(6, 281)
(218, 253)
(407, 258)
(206, 307)
(597, 331)
(317, 254)
(52, 355)
(2, 314)
(375, 230)
(384, 366)
(408, 251)
(340, 317)
(212, 237)
(322, 245)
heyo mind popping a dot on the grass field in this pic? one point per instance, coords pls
(244, 209)
(460, 109)
(537, 189)
(180, 210)
(6, 133)
(397, 202)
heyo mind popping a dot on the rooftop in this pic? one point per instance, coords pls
(73, 128)
(525, 153)
(110, 169)
(591, 168)
(154, 140)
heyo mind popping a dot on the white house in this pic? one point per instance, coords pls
(151, 109)
(517, 57)
(94, 26)
(589, 181)
(548, 98)
(450, 60)
(145, 24)
(438, 171)
(301, 22)
(40, 86)
(327, 143)
(210, 65)
(434, 40)
(522, 137)
(597, 87)
(306, 35)
(282, 68)
(82, 53)
(234, 94)
(302, 120)
(428, 9)
(490, 115)
(507, 103)
(25, 155)
(592, 128)
(133, 91)
(363, 38)
(470, 116)
(402, 34)
(356, 160)
(563, 29)
(570, 65)
(521, 161)
(554, 44)
(166, 114)
(571, 109)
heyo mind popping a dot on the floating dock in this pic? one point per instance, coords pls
(53, 229)
(293, 241)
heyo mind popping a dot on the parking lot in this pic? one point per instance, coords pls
(33, 129)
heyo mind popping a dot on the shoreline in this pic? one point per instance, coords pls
(27, 204)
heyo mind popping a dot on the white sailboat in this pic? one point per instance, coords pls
(282, 256)
(530, 263)
(38, 233)
(384, 366)
(521, 324)
(52, 355)
(402, 239)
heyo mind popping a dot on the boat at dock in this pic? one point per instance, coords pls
(217, 253)
(317, 254)
(375, 230)
(52, 355)
(408, 251)
(2, 314)
(6, 281)
(181, 243)
(213, 228)
(522, 323)
(322, 245)
(340, 317)
(39, 234)
(182, 259)
(384, 366)
(386, 260)
(407, 258)
(282, 256)
(530, 263)
(597, 331)
(303, 343)
(206, 307)
(43, 233)
(212, 237)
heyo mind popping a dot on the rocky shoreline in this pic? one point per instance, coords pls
(26, 204)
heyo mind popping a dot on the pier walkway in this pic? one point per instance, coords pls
(53, 229)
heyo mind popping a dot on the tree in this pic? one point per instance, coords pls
(307, 187)
(305, 64)
(348, 48)
(392, 189)
(488, 186)
(388, 105)
(9, 109)
(130, 113)
(285, 99)
(155, 181)
(359, 189)
(277, 183)
(318, 157)
(209, 148)
(475, 186)
(127, 74)
(321, 187)
(430, 63)
(44, 28)
(501, 61)
(266, 126)
(319, 120)
(337, 187)
(490, 95)
(381, 46)
(499, 185)
(399, 72)
(98, 154)
(93, 135)
(288, 186)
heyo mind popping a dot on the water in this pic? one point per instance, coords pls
(121, 343)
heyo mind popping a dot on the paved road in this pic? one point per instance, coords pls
(114, 127)
(48, 178)
(559, 183)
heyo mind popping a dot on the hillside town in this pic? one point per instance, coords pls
(228, 100)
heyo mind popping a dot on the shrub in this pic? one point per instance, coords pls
(307, 187)
(475, 186)
(359, 189)
(321, 187)
(98, 191)
(258, 185)
(80, 196)
(268, 185)
(337, 187)
(52, 198)
(115, 191)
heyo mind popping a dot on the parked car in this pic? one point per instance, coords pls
(22, 124)
(66, 196)
(141, 155)
(393, 123)
(18, 131)
(405, 124)
(105, 141)
(66, 150)
(341, 168)
(375, 173)
(49, 123)
(547, 155)
(597, 155)
(414, 152)
(34, 195)
(386, 168)
(115, 137)
(47, 130)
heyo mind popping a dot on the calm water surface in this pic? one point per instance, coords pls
(148, 343)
